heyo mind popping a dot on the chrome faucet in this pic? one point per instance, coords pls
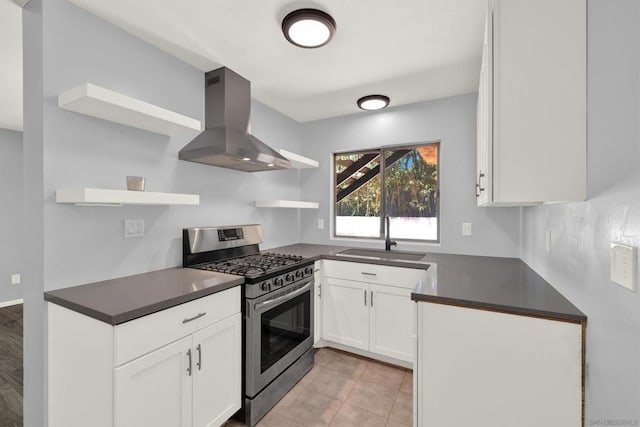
(387, 235)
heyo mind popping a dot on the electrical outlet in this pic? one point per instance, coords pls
(320, 224)
(133, 227)
(623, 265)
(547, 241)
(16, 279)
(466, 229)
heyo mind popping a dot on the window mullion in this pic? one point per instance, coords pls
(383, 203)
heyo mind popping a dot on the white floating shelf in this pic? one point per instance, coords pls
(103, 197)
(108, 105)
(286, 204)
(298, 161)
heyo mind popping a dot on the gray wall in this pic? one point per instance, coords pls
(451, 121)
(66, 46)
(10, 212)
(85, 244)
(578, 265)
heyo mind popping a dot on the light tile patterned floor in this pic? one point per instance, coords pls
(345, 390)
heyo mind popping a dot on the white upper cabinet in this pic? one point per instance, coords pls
(532, 103)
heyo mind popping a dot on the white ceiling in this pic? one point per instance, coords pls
(409, 50)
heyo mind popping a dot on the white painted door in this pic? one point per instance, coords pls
(217, 376)
(392, 312)
(346, 312)
(155, 389)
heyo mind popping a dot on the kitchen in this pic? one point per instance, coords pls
(64, 150)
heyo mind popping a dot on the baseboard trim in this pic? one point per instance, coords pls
(12, 302)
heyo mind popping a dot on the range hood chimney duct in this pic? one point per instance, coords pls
(226, 141)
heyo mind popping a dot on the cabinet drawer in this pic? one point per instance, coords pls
(374, 273)
(140, 336)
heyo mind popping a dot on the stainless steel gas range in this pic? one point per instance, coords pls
(277, 311)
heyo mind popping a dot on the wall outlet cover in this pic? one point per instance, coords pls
(466, 229)
(547, 241)
(624, 265)
(320, 224)
(133, 227)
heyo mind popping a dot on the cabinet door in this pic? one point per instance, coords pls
(217, 376)
(317, 302)
(485, 119)
(392, 318)
(345, 314)
(505, 370)
(155, 389)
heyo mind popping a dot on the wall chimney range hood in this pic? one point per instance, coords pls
(226, 141)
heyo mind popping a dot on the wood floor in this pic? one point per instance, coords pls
(11, 366)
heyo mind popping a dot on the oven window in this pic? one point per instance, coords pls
(284, 327)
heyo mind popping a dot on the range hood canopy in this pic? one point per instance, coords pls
(226, 141)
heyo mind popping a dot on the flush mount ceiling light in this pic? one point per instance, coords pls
(308, 28)
(373, 102)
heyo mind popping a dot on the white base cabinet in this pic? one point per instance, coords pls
(346, 313)
(174, 368)
(368, 307)
(317, 302)
(153, 390)
(483, 368)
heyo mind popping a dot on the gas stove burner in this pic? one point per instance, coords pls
(253, 265)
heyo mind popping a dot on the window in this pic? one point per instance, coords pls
(407, 190)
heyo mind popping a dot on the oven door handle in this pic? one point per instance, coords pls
(268, 303)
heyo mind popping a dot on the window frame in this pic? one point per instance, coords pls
(382, 150)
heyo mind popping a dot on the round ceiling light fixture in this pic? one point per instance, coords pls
(373, 102)
(308, 28)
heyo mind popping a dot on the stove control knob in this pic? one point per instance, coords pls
(289, 277)
(299, 274)
(265, 286)
(278, 281)
(308, 271)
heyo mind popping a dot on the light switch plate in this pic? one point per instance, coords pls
(320, 224)
(623, 265)
(16, 279)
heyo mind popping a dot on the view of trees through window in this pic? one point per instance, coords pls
(406, 190)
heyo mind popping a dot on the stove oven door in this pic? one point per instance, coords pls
(279, 331)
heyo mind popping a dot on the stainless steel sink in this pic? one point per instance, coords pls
(390, 255)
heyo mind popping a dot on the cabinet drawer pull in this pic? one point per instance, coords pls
(199, 364)
(368, 274)
(365, 297)
(371, 299)
(189, 365)
(197, 316)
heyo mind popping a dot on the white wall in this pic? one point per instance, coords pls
(66, 46)
(578, 265)
(85, 244)
(10, 213)
(451, 121)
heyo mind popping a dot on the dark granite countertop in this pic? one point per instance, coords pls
(499, 284)
(123, 299)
